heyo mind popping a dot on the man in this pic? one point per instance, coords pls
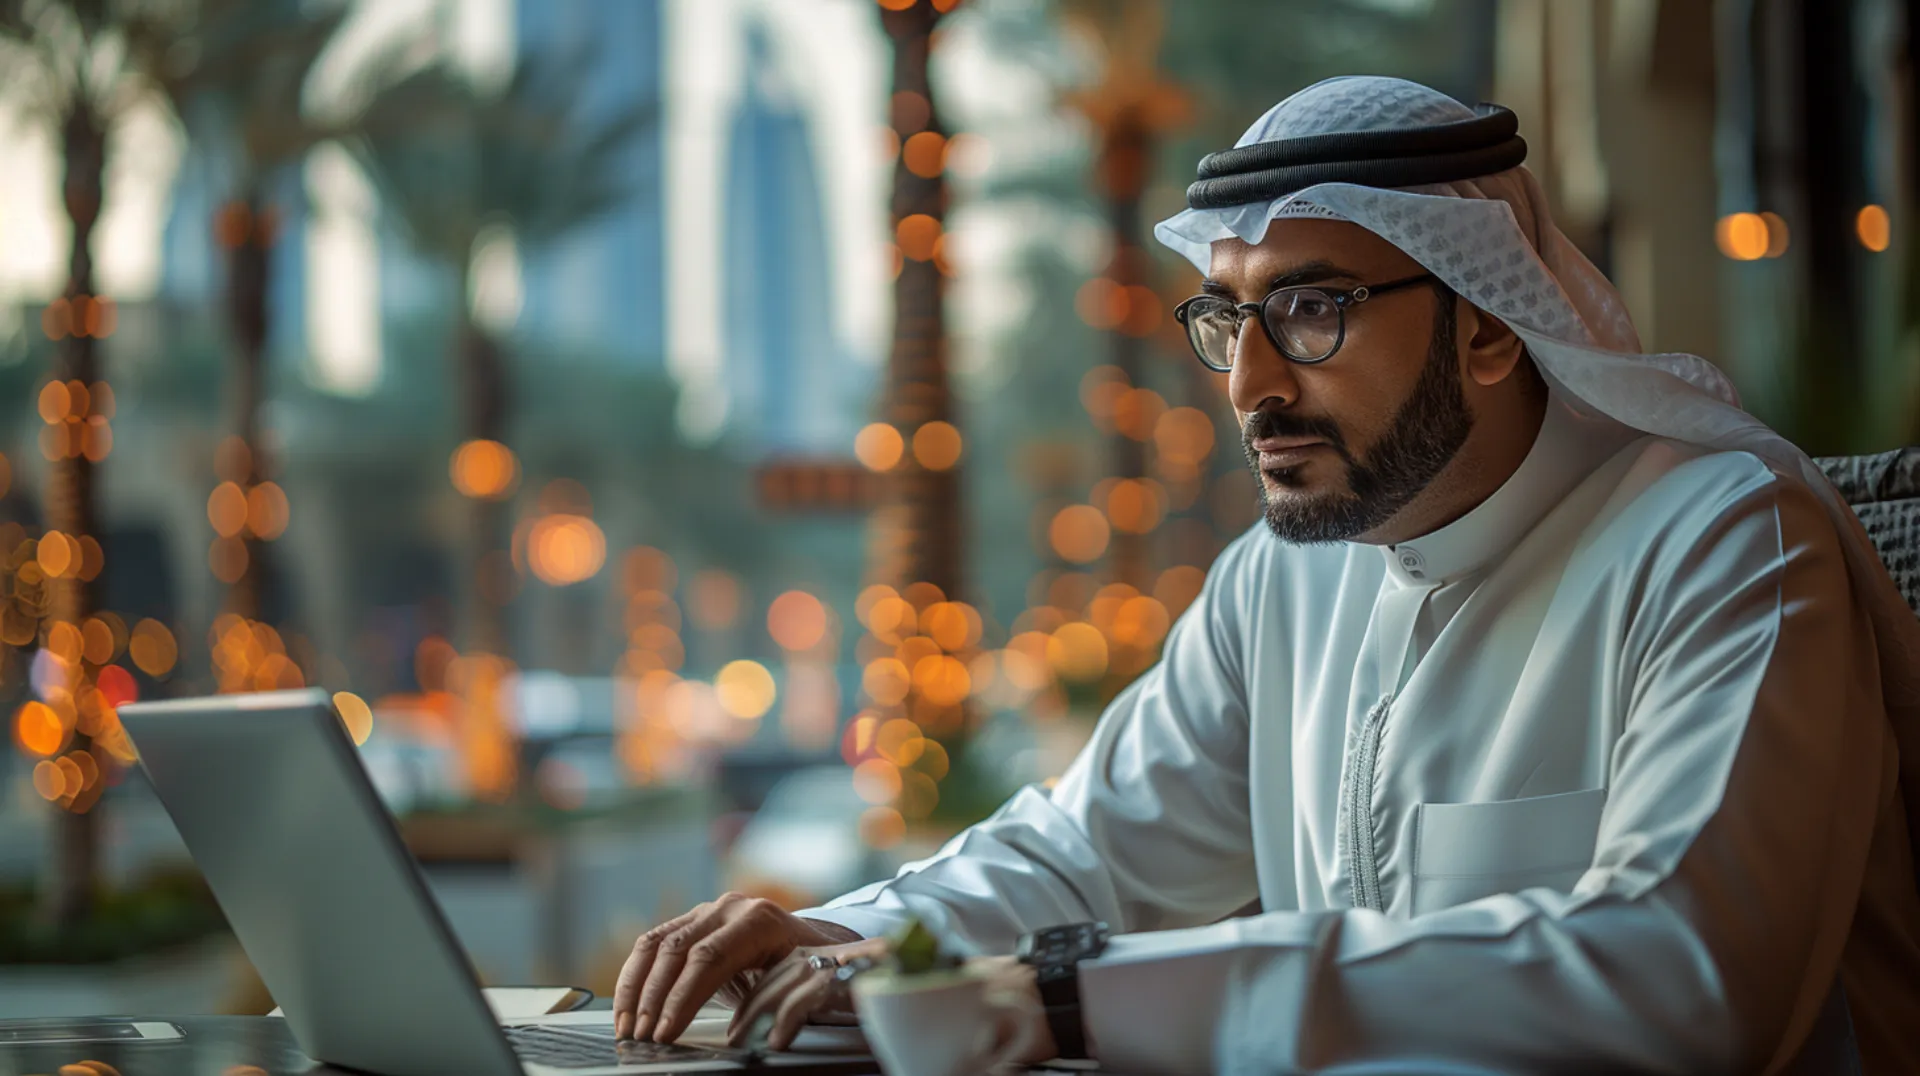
(1551, 718)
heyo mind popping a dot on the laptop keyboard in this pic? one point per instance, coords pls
(588, 1046)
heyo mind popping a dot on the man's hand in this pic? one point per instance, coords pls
(1016, 985)
(719, 948)
(797, 990)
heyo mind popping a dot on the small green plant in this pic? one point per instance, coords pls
(913, 950)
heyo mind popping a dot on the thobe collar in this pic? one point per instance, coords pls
(1570, 444)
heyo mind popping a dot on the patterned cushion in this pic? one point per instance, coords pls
(1884, 490)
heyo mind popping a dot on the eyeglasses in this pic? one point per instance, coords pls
(1307, 324)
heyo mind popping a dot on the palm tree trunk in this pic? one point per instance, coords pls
(919, 530)
(483, 379)
(924, 505)
(1131, 560)
(248, 237)
(68, 898)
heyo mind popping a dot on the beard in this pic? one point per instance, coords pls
(1427, 431)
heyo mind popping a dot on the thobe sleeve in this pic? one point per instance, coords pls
(1743, 793)
(1147, 830)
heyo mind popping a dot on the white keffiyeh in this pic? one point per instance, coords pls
(1493, 241)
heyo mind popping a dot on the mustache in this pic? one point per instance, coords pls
(1264, 424)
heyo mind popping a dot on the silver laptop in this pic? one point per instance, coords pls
(269, 794)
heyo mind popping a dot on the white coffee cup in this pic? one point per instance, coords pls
(940, 1023)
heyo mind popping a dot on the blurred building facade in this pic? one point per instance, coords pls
(1742, 170)
(779, 354)
(602, 291)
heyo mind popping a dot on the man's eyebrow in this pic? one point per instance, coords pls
(1314, 272)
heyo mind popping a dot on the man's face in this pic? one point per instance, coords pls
(1339, 447)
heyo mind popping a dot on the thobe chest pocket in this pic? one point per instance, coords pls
(1465, 851)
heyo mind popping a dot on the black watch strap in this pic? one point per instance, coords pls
(1060, 995)
(1055, 955)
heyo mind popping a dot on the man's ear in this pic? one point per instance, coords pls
(1493, 350)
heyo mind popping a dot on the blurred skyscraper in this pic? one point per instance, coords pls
(601, 290)
(784, 367)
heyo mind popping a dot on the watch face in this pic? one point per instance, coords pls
(1063, 945)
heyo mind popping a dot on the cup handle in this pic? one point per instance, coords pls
(1011, 1034)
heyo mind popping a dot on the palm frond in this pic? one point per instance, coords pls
(451, 159)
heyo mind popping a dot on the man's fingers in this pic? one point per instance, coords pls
(709, 963)
(801, 1002)
(633, 974)
(669, 957)
(766, 994)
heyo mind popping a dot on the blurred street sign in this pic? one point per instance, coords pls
(816, 485)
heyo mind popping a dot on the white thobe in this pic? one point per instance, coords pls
(1598, 775)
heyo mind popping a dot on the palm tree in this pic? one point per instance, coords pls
(920, 527)
(454, 163)
(77, 67)
(235, 72)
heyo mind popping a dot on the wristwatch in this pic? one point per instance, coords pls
(1054, 953)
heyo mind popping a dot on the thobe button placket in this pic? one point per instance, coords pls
(1411, 560)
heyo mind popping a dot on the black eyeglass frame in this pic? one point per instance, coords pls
(1341, 299)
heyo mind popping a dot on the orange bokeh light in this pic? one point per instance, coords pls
(227, 509)
(1101, 303)
(937, 446)
(925, 154)
(1135, 506)
(1184, 435)
(355, 714)
(900, 742)
(267, 510)
(153, 648)
(1141, 622)
(922, 594)
(890, 619)
(797, 621)
(55, 402)
(483, 469)
(59, 555)
(96, 439)
(65, 642)
(648, 569)
(877, 780)
(1874, 227)
(227, 558)
(39, 729)
(863, 605)
(96, 641)
(1079, 533)
(942, 680)
(1078, 652)
(886, 681)
(1742, 236)
(48, 780)
(916, 235)
(1137, 411)
(879, 447)
(745, 689)
(564, 549)
(949, 626)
